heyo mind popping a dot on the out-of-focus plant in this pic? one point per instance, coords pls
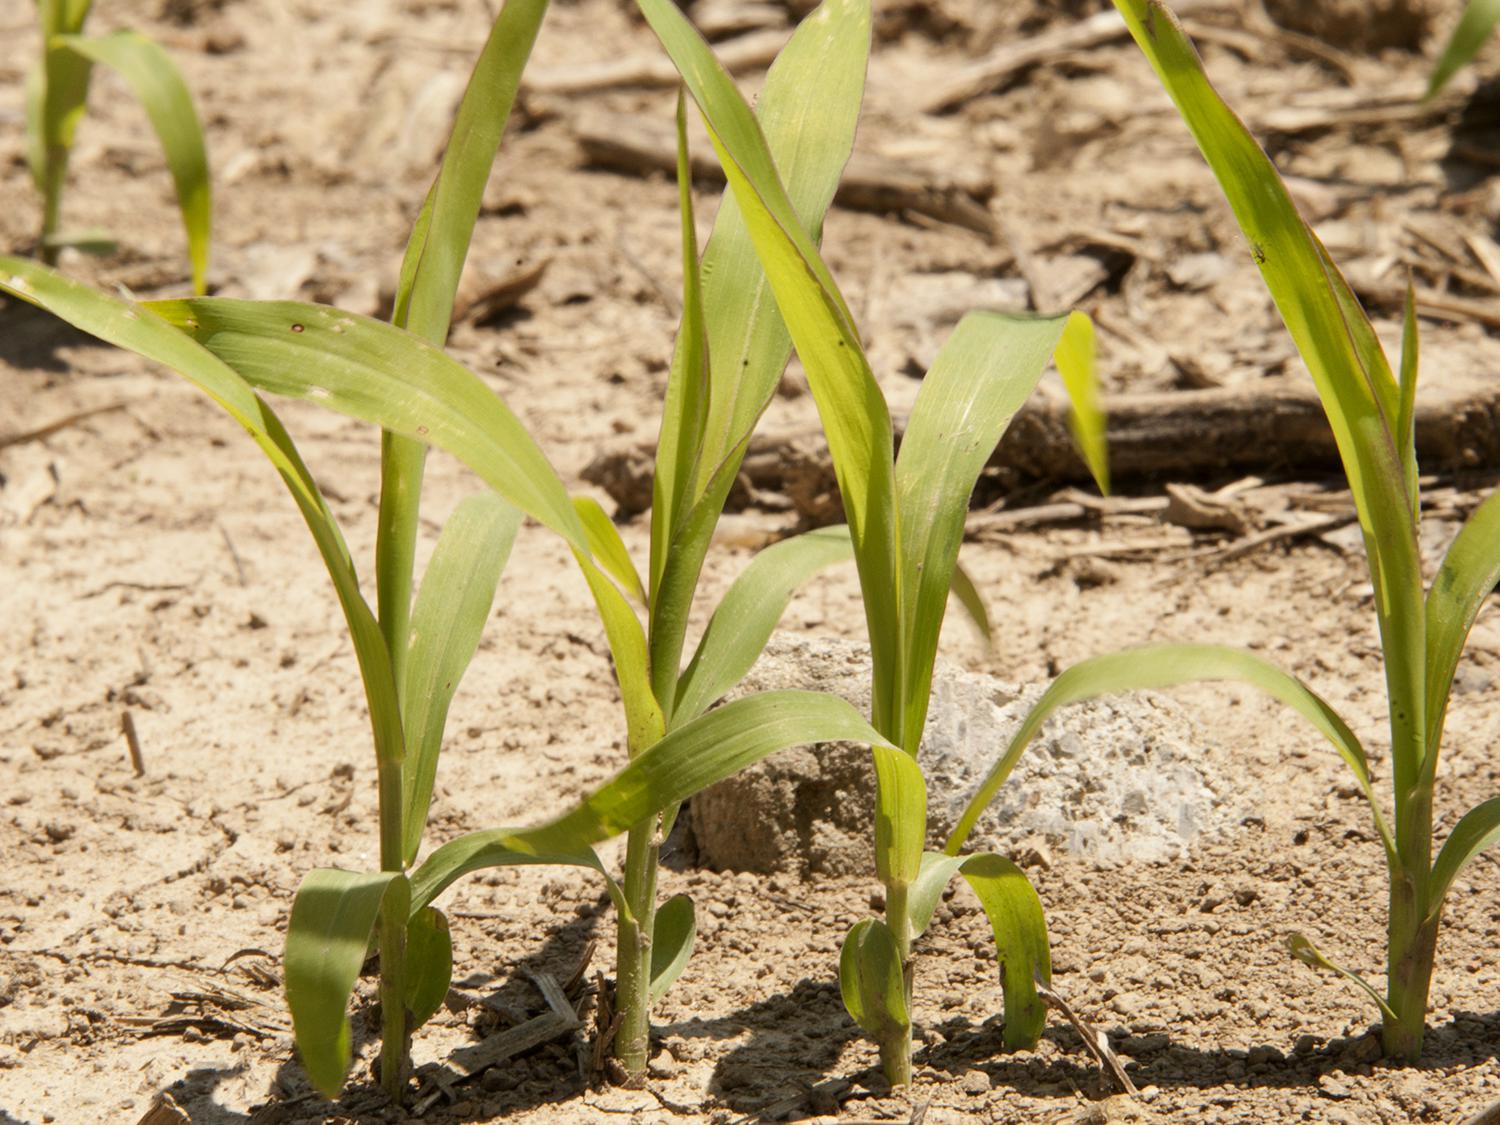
(57, 93)
(1473, 31)
(1423, 633)
(906, 518)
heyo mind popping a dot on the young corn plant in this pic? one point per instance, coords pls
(1370, 411)
(401, 381)
(56, 96)
(906, 519)
(412, 654)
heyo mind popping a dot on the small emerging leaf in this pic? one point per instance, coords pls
(1309, 954)
(327, 935)
(671, 943)
(870, 979)
(1476, 830)
(1473, 30)
(429, 964)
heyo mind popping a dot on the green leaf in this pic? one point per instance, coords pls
(1406, 417)
(327, 935)
(1359, 393)
(1460, 588)
(972, 601)
(748, 613)
(439, 242)
(870, 980)
(607, 546)
(447, 622)
(1309, 954)
(644, 722)
(987, 368)
(1473, 30)
(155, 80)
(807, 109)
(1149, 667)
(85, 241)
(381, 374)
(900, 817)
(477, 851)
(1016, 922)
(1476, 830)
(671, 943)
(137, 329)
(1078, 366)
(1020, 932)
(429, 964)
(853, 412)
(686, 760)
(685, 410)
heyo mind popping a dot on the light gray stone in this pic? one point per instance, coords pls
(1117, 779)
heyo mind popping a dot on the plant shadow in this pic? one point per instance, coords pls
(31, 339)
(546, 1074)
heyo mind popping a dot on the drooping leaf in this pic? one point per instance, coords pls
(135, 328)
(1472, 32)
(1476, 830)
(1149, 667)
(429, 964)
(384, 375)
(1359, 393)
(807, 110)
(1309, 954)
(870, 980)
(1463, 582)
(327, 935)
(157, 83)
(1020, 932)
(686, 760)
(747, 615)
(1017, 924)
(1077, 364)
(671, 943)
(447, 622)
(607, 546)
(477, 851)
(900, 816)
(986, 369)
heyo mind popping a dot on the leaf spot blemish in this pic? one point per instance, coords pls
(297, 328)
(422, 430)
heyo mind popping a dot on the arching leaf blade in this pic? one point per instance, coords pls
(870, 980)
(1150, 667)
(373, 371)
(157, 83)
(1462, 585)
(135, 328)
(607, 546)
(748, 613)
(1476, 830)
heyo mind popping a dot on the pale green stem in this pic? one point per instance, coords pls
(395, 1030)
(633, 955)
(895, 1049)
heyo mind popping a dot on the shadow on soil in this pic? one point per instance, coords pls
(31, 339)
(547, 1074)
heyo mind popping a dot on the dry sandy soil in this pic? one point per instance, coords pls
(154, 567)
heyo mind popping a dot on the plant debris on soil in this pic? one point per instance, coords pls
(181, 725)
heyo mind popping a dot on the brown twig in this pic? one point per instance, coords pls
(1093, 1039)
